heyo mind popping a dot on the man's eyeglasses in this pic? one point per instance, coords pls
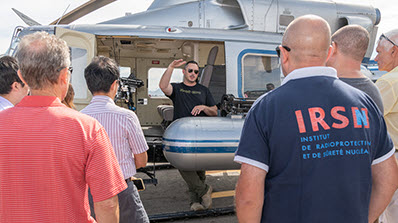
(385, 37)
(70, 69)
(278, 51)
(190, 71)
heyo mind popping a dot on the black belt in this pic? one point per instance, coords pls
(128, 180)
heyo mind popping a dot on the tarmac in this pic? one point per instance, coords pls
(168, 201)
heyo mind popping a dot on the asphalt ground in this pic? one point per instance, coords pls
(169, 198)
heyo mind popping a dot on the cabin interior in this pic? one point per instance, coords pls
(147, 59)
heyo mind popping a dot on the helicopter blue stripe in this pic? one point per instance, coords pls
(176, 149)
(240, 56)
(366, 60)
(200, 141)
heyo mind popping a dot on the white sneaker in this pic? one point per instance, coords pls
(206, 198)
(197, 207)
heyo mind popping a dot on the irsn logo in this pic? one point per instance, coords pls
(317, 116)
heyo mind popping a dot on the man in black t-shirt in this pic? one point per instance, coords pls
(190, 99)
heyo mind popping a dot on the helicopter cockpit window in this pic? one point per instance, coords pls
(79, 62)
(125, 71)
(260, 74)
(154, 75)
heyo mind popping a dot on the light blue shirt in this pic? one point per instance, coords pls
(4, 104)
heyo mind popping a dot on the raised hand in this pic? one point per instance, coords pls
(177, 63)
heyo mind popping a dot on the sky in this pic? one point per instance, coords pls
(46, 11)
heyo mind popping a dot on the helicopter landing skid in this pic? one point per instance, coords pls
(192, 214)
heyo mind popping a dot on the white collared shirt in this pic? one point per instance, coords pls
(4, 104)
(310, 72)
(123, 128)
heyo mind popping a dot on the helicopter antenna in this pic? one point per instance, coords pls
(62, 15)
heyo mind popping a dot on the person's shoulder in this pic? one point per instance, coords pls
(76, 115)
(86, 109)
(354, 79)
(78, 120)
(263, 101)
(119, 111)
(370, 83)
(201, 87)
(390, 76)
(278, 91)
(176, 84)
(124, 112)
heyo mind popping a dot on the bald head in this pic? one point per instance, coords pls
(352, 41)
(308, 37)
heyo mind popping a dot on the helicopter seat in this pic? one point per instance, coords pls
(166, 112)
(207, 71)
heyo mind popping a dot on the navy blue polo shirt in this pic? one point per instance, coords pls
(317, 138)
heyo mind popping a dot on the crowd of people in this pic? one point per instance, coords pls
(62, 165)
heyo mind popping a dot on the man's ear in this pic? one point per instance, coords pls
(114, 85)
(15, 86)
(284, 55)
(394, 51)
(63, 76)
(332, 50)
(20, 77)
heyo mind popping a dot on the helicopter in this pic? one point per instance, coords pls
(234, 43)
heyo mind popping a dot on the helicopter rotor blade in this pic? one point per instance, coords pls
(29, 21)
(81, 11)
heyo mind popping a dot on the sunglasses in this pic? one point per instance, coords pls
(278, 51)
(385, 37)
(190, 71)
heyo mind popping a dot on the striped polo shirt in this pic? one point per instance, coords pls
(49, 155)
(123, 128)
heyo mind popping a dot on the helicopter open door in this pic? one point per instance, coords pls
(82, 48)
(150, 96)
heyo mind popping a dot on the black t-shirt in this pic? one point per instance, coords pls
(185, 98)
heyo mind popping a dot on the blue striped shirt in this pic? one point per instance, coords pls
(123, 128)
(4, 104)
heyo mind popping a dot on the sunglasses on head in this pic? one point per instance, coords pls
(278, 51)
(385, 37)
(190, 71)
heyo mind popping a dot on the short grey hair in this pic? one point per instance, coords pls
(352, 40)
(393, 36)
(41, 56)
